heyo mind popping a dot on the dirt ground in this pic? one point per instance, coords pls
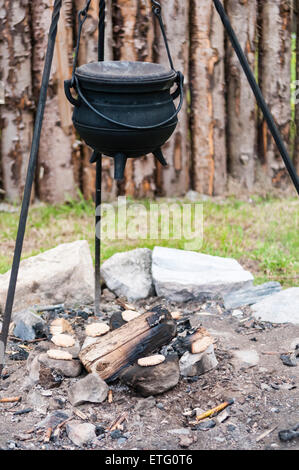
(264, 389)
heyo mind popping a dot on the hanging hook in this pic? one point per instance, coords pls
(156, 7)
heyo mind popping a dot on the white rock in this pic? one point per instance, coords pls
(64, 274)
(91, 389)
(96, 329)
(129, 315)
(129, 274)
(64, 341)
(151, 360)
(198, 364)
(80, 433)
(185, 275)
(247, 357)
(282, 307)
(58, 354)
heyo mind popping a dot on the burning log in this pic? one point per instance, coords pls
(120, 348)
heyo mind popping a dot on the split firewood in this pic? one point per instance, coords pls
(120, 348)
(10, 399)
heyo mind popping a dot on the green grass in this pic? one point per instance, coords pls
(261, 234)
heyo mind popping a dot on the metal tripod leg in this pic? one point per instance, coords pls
(29, 181)
(98, 198)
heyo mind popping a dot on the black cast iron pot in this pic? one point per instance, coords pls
(125, 109)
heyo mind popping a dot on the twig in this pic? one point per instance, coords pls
(118, 421)
(265, 434)
(10, 399)
(38, 340)
(80, 414)
(125, 305)
(110, 396)
(49, 308)
(48, 435)
(213, 411)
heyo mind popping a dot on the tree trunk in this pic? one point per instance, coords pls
(133, 41)
(55, 179)
(208, 114)
(17, 107)
(175, 180)
(89, 53)
(296, 146)
(241, 102)
(275, 81)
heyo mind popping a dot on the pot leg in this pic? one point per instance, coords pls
(120, 161)
(159, 156)
(94, 156)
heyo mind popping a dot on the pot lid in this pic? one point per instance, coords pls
(120, 72)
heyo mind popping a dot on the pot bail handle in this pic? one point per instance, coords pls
(157, 9)
(178, 92)
(82, 17)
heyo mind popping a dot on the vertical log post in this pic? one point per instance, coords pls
(88, 53)
(241, 105)
(175, 180)
(275, 81)
(55, 179)
(208, 113)
(16, 104)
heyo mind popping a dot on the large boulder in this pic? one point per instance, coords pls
(129, 274)
(61, 275)
(181, 276)
(282, 307)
